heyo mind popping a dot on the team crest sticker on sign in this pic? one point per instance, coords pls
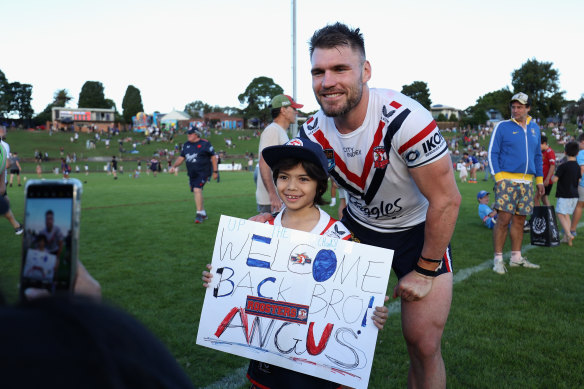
(279, 310)
(380, 159)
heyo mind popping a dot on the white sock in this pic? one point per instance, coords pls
(498, 257)
(516, 256)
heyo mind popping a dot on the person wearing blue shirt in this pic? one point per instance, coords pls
(515, 159)
(487, 214)
(201, 163)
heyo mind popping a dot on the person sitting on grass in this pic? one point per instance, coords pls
(300, 173)
(567, 175)
(486, 213)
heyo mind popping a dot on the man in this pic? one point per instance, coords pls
(515, 158)
(283, 109)
(54, 238)
(578, 211)
(114, 164)
(4, 204)
(386, 151)
(549, 167)
(14, 169)
(473, 165)
(200, 156)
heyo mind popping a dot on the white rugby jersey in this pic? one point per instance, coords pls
(326, 226)
(372, 162)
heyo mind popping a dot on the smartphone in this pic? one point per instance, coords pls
(50, 243)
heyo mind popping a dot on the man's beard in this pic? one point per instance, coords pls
(353, 99)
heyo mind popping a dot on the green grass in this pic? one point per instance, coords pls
(523, 329)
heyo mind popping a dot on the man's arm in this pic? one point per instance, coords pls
(180, 160)
(547, 179)
(437, 184)
(215, 167)
(266, 175)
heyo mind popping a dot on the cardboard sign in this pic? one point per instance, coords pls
(293, 299)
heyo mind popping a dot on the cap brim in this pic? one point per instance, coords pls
(296, 105)
(273, 154)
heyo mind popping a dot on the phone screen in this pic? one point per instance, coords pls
(48, 237)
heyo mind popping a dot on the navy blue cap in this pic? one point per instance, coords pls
(193, 130)
(300, 148)
(482, 194)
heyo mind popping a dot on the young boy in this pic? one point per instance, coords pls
(486, 213)
(300, 173)
(567, 176)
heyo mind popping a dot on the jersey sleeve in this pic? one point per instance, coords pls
(419, 141)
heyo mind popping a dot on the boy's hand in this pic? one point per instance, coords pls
(207, 276)
(380, 315)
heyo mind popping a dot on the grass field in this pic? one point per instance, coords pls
(520, 330)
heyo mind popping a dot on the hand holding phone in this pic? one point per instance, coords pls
(50, 241)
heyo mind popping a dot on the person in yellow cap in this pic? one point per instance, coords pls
(284, 110)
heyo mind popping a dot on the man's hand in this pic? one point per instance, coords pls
(275, 202)
(413, 286)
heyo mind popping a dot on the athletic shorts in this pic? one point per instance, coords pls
(407, 245)
(197, 181)
(264, 375)
(477, 166)
(548, 189)
(4, 206)
(15, 171)
(566, 206)
(581, 193)
(515, 198)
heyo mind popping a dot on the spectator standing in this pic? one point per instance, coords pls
(515, 160)
(567, 176)
(201, 160)
(578, 211)
(114, 165)
(549, 167)
(14, 169)
(283, 110)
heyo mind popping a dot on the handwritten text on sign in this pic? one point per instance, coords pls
(296, 300)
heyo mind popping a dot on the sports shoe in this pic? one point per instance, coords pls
(523, 262)
(574, 233)
(499, 267)
(19, 230)
(199, 219)
(205, 217)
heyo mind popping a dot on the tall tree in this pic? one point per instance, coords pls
(92, 96)
(60, 99)
(258, 96)
(20, 99)
(132, 103)
(197, 109)
(542, 84)
(418, 90)
(498, 100)
(4, 96)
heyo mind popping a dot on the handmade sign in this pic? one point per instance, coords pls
(296, 300)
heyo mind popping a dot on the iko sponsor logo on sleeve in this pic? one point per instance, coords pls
(433, 144)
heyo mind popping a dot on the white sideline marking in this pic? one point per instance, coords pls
(238, 377)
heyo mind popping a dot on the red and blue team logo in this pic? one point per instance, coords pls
(300, 259)
(279, 310)
(302, 314)
(380, 159)
(295, 142)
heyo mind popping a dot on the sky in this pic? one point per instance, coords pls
(179, 51)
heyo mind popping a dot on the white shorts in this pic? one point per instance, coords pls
(566, 206)
(477, 166)
(581, 193)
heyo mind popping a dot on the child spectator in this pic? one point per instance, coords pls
(567, 176)
(300, 172)
(486, 213)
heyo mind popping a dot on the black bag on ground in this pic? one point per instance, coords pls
(544, 227)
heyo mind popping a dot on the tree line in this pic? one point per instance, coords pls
(538, 79)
